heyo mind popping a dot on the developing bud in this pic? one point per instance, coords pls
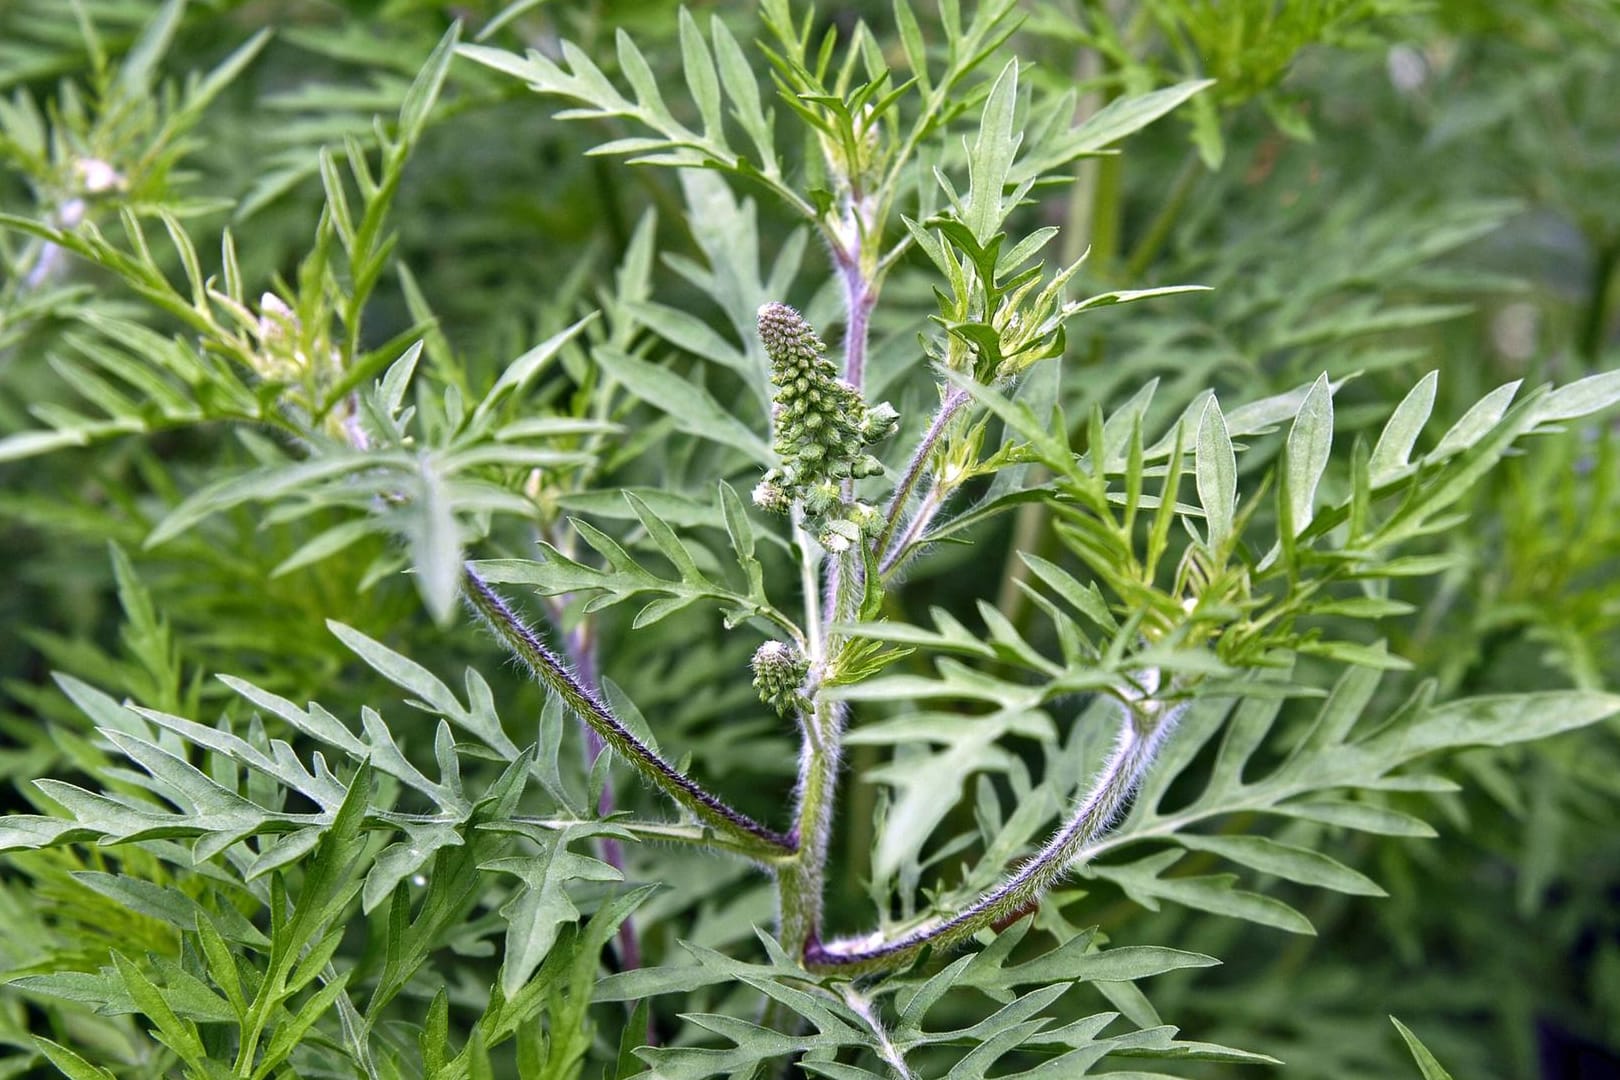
(97, 177)
(865, 517)
(770, 496)
(852, 164)
(881, 422)
(280, 358)
(779, 674)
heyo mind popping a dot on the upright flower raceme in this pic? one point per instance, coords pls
(822, 430)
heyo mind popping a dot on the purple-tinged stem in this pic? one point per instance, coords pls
(1141, 735)
(579, 646)
(955, 398)
(859, 299)
(764, 843)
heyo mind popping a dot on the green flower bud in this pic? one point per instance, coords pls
(881, 422)
(779, 674)
(771, 496)
(866, 518)
(839, 535)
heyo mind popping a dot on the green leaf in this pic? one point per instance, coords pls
(261, 485)
(1309, 441)
(1129, 296)
(1079, 960)
(1395, 442)
(138, 72)
(523, 370)
(426, 87)
(542, 906)
(1426, 1061)
(177, 1034)
(1120, 118)
(991, 156)
(1360, 816)
(690, 407)
(700, 77)
(743, 91)
(435, 545)
(1285, 861)
(1141, 881)
(1127, 115)
(1216, 475)
(1493, 720)
(1580, 398)
(70, 1064)
(1476, 423)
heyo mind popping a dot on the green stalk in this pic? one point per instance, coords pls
(1595, 323)
(802, 879)
(1147, 249)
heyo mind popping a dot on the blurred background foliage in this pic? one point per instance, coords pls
(1375, 188)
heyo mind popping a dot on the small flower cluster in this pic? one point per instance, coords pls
(779, 674)
(281, 356)
(286, 355)
(822, 431)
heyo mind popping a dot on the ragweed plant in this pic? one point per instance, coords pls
(798, 805)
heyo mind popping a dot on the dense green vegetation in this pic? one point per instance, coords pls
(1030, 538)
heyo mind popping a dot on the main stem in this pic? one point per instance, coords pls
(801, 880)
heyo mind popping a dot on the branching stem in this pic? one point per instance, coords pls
(764, 843)
(891, 1054)
(1142, 733)
(955, 398)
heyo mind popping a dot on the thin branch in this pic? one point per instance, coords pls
(955, 398)
(1141, 735)
(649, 832)
(891, 1054)
(765, 844)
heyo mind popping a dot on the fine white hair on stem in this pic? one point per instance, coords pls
(1143, 730)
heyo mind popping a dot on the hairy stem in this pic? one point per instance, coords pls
(948, 408)
(1142, 732)
(891, 1054)
(765, 844)
(859, 299)
(926, 511)
(801, 881)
